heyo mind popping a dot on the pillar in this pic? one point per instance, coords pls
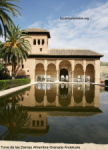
(84, 69)
(45, 75)
(72, 76)
(72, 68)
(45, 68)
(84, 77)
(57, 79)
(97, 71)
(57, 69)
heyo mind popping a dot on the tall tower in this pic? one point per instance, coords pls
(38, 39)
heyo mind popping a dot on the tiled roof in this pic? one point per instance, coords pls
(38, 30)
(75, 52)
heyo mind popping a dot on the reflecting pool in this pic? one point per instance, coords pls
(56, 113)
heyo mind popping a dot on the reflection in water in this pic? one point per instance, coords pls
(43, 100)
(14, 118)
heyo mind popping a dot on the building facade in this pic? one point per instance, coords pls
(71, 65)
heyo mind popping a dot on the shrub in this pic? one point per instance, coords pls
(106, 82)
(6, 84)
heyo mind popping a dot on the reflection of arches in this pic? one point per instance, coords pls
(51, 72)
(78, 72)
(65, 101)
(64, 97)
(90, 73)
(89, 94)
(63, 91)
(51, 94)
(65, 70)
(39, 95)
(78, 94)
(40, 72)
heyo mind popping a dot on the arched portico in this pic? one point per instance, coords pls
(51, 72)
(78, 73)
(39, 72)
(90, 73)
(65, 71)
(64, 75)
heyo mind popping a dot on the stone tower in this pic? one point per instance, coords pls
(38, 40)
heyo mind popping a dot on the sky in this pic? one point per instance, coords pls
(90, 33)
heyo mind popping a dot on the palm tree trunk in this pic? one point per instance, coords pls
(13, 70)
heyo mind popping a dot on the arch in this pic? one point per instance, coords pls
(90, 73)
(65, 71)
(51, 72)
(40, 72)
(63, 74)
(78, 73)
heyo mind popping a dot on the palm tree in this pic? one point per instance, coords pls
(5, 8)
(16, 48)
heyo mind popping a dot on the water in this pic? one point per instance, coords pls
(56, 113)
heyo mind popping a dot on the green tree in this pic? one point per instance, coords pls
(4, 72)
(16, 49)
(7, 8)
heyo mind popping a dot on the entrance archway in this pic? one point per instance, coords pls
(90, 73)
(40, 72)
(64, 75)
(65, 71)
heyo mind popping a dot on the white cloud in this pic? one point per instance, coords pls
(85, 34)
(37, 24)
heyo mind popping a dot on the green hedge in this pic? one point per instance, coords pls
(6, 84)
(106, 82)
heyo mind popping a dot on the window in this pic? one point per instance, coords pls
(34, 42)
(38, 42)
(22, 66)
(42, 123)
(43, 42)
(33, 123)
(40, 49)
(40, 115)
(38, 123)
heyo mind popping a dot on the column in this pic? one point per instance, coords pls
(84, 69)
(72, 76)
(45, 68)
(57, 76)
(57, 69)
(84, 77)
(72, 67)
(97, 71)
(45, 75)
